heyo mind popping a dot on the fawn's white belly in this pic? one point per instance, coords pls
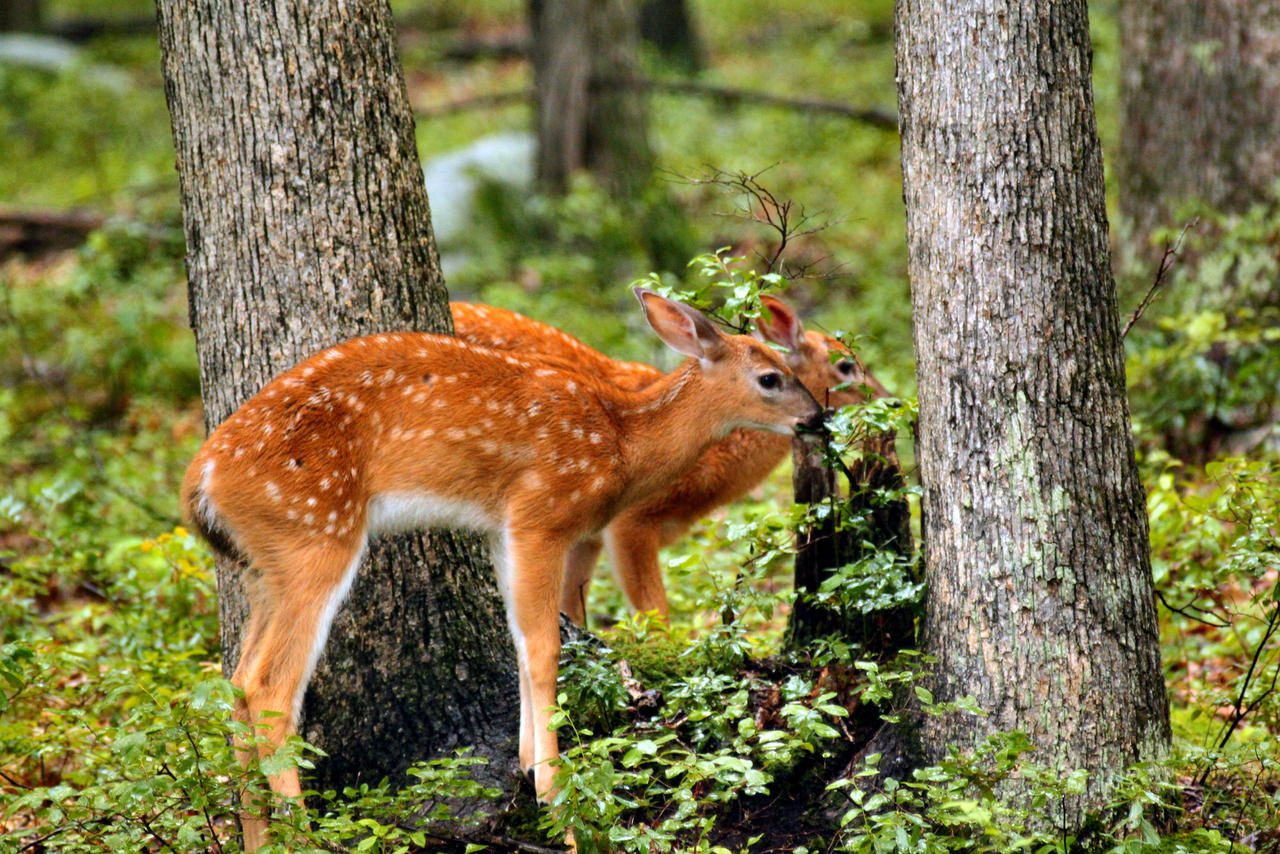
(407, 511)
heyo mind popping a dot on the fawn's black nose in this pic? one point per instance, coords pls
(816, 423)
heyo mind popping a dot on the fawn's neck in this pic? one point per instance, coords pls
(665, 427)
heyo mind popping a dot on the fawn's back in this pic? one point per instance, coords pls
(398, 430)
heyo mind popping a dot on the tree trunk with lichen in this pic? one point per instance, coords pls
(307, 223)
(1040, 601)
(582, 50)
(1199, 89)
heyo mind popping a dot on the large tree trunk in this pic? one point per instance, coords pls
(1200, 85)
(1040, 600)
(307, 223)
(582, 50)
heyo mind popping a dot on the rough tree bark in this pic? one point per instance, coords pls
(578, 44)
(307, 223)
(1200, 82)
(1040, 600)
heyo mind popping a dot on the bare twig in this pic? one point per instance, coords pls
(1166, 263)
(1192, 606)
(782, 216)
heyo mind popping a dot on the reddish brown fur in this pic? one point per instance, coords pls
(408, 429)
(724, 473)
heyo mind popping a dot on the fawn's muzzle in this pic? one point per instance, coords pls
(816, 423)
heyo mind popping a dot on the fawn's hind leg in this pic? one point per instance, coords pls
(280, 653)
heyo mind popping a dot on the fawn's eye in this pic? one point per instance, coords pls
(770, 380)
(845, 366)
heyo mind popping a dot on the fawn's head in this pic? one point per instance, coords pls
(750, 383)
(829, 369)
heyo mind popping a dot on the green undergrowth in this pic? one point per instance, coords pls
(705, 735)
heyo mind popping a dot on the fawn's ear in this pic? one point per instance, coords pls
(780, 324)
(685, 330)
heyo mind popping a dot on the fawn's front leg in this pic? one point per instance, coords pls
(534, 562)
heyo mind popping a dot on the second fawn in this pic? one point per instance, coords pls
(407, 430)
(725, 472)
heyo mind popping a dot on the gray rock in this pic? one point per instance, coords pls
(43, 53)
(452, 179)
(55, 56)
